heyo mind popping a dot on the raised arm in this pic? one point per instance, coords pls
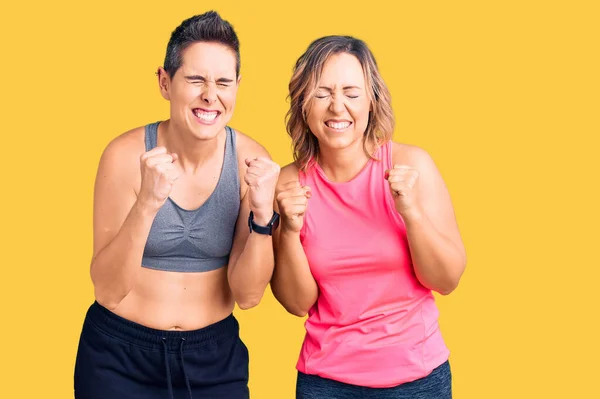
(251, 259)
(423, 201)
(292, 284)
(122, 218)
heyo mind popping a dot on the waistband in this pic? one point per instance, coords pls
(137, 334)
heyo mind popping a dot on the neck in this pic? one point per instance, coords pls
(343, 164)
(192, 152)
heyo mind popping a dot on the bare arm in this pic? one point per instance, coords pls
(436, 248)
(251, 260)
(122, 221)
(292, 284)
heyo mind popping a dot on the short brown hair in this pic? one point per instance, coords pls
(208, 27)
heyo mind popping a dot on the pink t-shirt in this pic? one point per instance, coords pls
(373, 323)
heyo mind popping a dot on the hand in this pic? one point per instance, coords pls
(158, 176)
(261, 177)
(403, 181)
(292, 200)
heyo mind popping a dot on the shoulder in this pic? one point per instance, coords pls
(288, 173)
(247, 147)
(121, 157)
(130, 144)
(419, 159)
(406, 154)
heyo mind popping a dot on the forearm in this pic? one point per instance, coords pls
(250, 274)
(293, 284)
(437, 261)
(114, 268)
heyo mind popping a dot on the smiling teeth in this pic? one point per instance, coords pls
(338, 125)
(206, 116)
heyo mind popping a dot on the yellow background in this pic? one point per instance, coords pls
(505, 95)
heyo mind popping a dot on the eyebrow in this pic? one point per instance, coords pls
(203, 79)
(345, 88)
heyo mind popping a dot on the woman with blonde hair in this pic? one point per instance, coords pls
(368, 232)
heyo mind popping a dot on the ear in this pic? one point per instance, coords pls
(239, 79)
(164, 83)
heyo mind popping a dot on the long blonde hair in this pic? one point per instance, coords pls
(303, 85)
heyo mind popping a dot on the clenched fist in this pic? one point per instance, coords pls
(261, 177)
(158, 176)
(403, 180)
(292, 200)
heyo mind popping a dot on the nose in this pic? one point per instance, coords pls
(337, 104)
(209, 94)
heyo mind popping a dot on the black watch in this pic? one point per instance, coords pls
(268, 229)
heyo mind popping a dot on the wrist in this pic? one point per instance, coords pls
(289, 232)
(411, 216)
(262, 217)
(145, 209)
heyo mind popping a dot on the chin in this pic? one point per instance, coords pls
(206, 132)
(343, 142)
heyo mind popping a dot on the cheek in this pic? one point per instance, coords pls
(360, 114)
(183, 94)
(228, 97)
(315, 115)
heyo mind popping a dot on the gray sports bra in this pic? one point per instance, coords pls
(196, 240)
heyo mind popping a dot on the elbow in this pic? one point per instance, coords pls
(297, 311)
(293, 308)
(248, 299)
(110, 302)
(450, 284)
(249, 302)
(245, 305)
(294, 301)
(447, 289)
(454, 275)
(106, 296)
(107, 291)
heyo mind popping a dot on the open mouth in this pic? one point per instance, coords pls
(206, 116)
(338, 125)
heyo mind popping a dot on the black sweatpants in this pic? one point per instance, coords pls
(120, 359)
